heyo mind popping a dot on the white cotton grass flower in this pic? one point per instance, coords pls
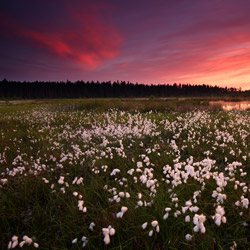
(61, 180)
(108, 232)
(91, 226)
(154, 223)
(122, 212)
(35, 245)
(124, 209)
(111, 231)
(127, 195)
(121, 194)
(167, 210)
(144, 225)
(84, 241)
(244, 202)
(140, 203)
(187, 218)
(14, 238)
(115, 171)
(219, 216)
(199, 220)
(150, 233)
(27, 240)
(106, 239)
(74, 241)
(188, 237)
(21, 244)
(80, 204)
(194, 209)
(14, 244)
(105, 231)
(233, 247)
(177, 213)
(119, 215)
(165, 216)
(139, 164)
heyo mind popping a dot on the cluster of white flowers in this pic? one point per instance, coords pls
(26, 240)
(84, 241)
(122, 212)
(109, 231)
(159, 164)
(219, 216)
(155, 227)
(81, 207)
(198, 221)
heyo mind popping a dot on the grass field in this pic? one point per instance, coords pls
(124, 174)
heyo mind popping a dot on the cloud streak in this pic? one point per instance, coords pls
(88, 43)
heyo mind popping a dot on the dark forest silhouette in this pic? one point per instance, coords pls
(81, 89)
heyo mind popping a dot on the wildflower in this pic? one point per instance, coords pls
(91, 226)
(124, 209)
(188, 237)
(35, 245)
(219, 216)
(61, 180)
(14, 238)
(140, 203)
(14, 244)
(121, 194)
(106, 239)
(139, 164)
(165, 216)
(21, 243)
(154, 223)
(111, 231)
(199, 220)
(121, 213)
(244, 202)
(115, 171)
(27, 240)
(106, 232)
(187, 218)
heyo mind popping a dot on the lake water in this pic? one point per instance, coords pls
(243, 105)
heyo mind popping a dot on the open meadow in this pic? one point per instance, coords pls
(124, 174)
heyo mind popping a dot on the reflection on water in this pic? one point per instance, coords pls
(243, 105)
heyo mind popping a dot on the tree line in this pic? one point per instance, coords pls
(108, 89)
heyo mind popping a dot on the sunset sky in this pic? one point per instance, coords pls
(161, 41)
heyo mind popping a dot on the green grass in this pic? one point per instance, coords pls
(76, 138)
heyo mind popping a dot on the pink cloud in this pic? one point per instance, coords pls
(88, 42)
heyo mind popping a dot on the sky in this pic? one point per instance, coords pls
(157, 41)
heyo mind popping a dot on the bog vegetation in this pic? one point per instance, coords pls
(75, 175)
